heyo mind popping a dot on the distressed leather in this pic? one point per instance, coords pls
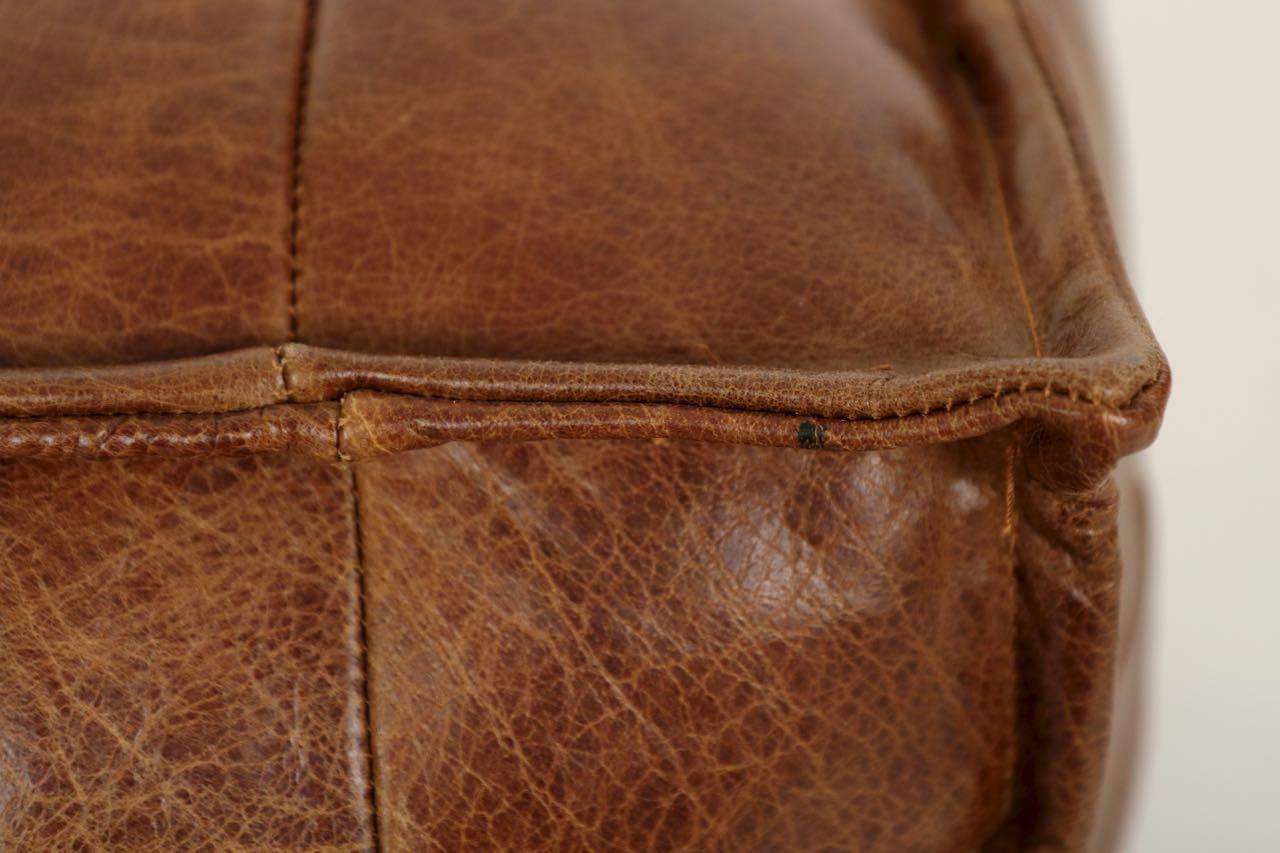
(573, 425)
(179, 672)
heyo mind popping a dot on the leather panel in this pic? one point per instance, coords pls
(1068, 586)
(144, 158)
(583, 645)
(179, 654)
(701, 181)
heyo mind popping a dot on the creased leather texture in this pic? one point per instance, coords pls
(822, 140)
(180, 657)
(144, 149)
(520, 595)
(571, 425)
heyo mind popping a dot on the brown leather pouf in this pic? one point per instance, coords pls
(557, 425)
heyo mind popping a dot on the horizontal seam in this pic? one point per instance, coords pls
(1023, 390)
(287, 396)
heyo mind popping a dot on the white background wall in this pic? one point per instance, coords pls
(1196, 105)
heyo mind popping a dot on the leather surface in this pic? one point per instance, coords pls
(545, 183)
(144, 152)
(582, 645)
(696, 419)
(180, 657)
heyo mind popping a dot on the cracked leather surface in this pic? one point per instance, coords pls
(824, 144)
(571, 425)
(678, 645)
(144, 152)
(179, 656)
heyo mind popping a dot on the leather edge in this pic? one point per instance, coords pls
(261, 376)
(1071, 441)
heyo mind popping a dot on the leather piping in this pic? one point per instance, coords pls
(248, 379)
(374, 423)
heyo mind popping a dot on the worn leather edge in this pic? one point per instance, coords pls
(1074, 439)
(261, 376)
(306, 430)
(222, 382)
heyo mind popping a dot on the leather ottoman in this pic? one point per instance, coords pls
(558, 425)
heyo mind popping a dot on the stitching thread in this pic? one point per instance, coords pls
(1017, 443)
(295, 164)
(1025, 389)
(363, 641)
(1002, 205)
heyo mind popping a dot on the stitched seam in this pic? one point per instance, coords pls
(1105, 245)
(301, 93)
(1012, 518)
(363, 642)
(1010, 496)
(1025, 390)
(1002, 206)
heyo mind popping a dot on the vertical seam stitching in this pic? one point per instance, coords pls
(1002, 205)
(1100, 228)
(362, 626)
(1017, 268)
(1012, 517)
(301, 93)
(1011, 532)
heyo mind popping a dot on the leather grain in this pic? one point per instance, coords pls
(143, 161)
(546, 184)
(180, 657)
(582, 645)
(571, 425)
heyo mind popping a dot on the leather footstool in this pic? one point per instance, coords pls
(557, 425)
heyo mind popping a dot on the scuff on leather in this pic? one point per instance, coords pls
(811, 436)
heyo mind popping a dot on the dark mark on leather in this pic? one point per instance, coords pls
(811, 436)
